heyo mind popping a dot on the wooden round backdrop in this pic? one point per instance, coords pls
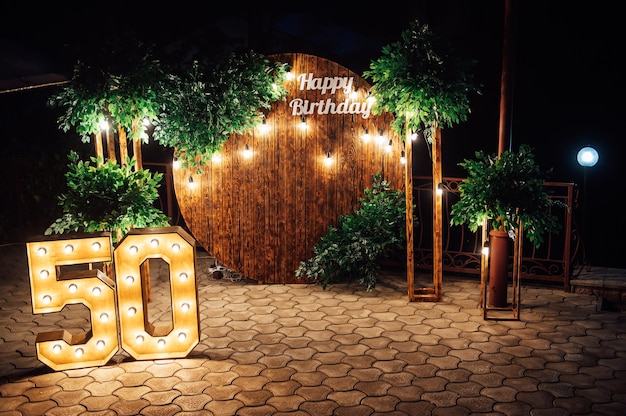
(260, 214)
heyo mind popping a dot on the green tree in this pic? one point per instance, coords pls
(422, 82)
(194, 106)
(120, 85)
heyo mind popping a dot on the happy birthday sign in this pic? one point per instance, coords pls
(330, 85)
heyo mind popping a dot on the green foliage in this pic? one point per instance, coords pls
(121, 87)
(505, 190)
(207, 104)
(351, 249)
(109, 197)
(194, 107)
(421, 82)
(195, 113)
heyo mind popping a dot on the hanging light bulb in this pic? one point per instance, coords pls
(403, 157)
(329, 159)
(389, 147)
(366, 136)
(104, 124)
(380, 139)
(263, 127)
(303, 124)
(247, 152)
(191, 184)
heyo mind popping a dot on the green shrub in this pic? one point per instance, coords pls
(506, 189)
(350, 251)
(109, 197)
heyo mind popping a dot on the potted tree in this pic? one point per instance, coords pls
(502, 192)
(426, 85)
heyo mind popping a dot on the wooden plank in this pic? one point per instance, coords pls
(275, 202)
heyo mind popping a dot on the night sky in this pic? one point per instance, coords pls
(566, 91)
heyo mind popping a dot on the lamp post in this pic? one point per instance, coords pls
(587, 157)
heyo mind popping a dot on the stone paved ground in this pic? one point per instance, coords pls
(301, 350)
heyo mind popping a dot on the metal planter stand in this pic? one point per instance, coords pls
(512, 310)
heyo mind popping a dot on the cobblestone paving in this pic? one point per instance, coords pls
(300, 350)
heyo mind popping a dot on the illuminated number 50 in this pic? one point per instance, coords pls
(109, 300)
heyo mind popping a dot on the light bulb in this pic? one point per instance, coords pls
(303, 124)
(247, 152)
(329, 159)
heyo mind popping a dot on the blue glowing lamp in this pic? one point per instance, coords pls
(587, 157)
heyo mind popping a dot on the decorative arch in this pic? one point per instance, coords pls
(261, 215)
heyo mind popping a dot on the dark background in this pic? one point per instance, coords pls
(566, 92)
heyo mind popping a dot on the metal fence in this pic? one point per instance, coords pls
(556, 260)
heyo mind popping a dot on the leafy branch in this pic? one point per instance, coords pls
(351, 250)
(506, 189)
(121, 89)
(109, 197)
(421, 81)
(194, 107)
(203, 107)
